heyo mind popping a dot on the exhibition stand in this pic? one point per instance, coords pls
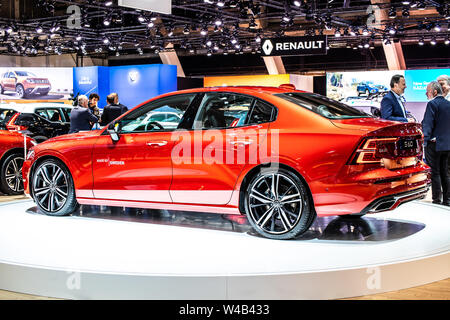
(106, 253)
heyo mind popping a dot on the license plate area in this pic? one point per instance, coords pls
(407, 144)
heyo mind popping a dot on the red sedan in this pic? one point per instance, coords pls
(277, 155)
(11, 160)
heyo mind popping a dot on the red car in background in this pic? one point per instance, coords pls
(277, 155)
(11, 160)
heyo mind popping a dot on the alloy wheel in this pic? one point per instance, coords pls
(13, 174)
(50, 187)
(275, 203)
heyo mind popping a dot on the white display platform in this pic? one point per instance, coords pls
(84, 258)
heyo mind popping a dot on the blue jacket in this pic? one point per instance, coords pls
(80, 119)
(391, 109)
(436, 123)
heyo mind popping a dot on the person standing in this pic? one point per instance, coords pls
(444, 81)
(117, 103)
(436, 131)
(93, 104)
(81, 117)
(393, 103)
(112, 111)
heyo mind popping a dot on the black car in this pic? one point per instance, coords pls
(40, 121)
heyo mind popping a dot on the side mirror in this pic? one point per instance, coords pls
(115, 137)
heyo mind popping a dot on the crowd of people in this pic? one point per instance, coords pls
(435, 126)
(86, 115)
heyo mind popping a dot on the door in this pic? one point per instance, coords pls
(225, 136)
(138, 167)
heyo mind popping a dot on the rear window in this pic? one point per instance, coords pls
(323, 106)
(5, 116)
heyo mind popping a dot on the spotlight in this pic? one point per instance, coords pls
(220, 3)
(258, 39)
(209, 53)
(105, 40)
(392, 13)
(337, 33)
(141, 19)
(218, 21)
(150, 24)
(78, 37)
(252, 24)
(286, 18)
(208, 43)
(9, 29)
(297, 3)
(421, 5)
(107, 21)
(405, 2)
(365, 31)
(447, 41)
(186, 30)
(405, 12)
(366, 45)
(108, 3)
(392, 31)
(204, 31)
(433, 41)
(39, 29)
(437, 27)
(421, 41)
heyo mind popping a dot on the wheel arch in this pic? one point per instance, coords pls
(9, 152)
(252, 173)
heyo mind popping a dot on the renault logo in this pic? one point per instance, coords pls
(267, 47)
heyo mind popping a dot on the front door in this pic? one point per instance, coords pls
(138, 167)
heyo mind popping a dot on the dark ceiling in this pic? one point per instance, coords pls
(213, 39)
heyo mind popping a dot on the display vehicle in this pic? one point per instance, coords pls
(277, 155)
(11, 160)
(24, 84)
(369, 87)
(41, 120)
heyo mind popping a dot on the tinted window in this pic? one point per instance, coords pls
(323, 106)
(262, 112)
(42, 113)
(5, 116)
(222, 110)
(66, 113)
(152, 116)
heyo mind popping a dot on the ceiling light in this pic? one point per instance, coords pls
(209, 53)
(421, 5)
(392, 13)
(209, 43)
(405, 12)
(108, 3)
(437, 27)
(141, 19)
(218, 22)
(107, 21)
(220, 3)
(78, 37)
(337, 33)
(39, 29)
(297, 3)
(421, 41)
(433, 41)
(204, 31)
(105, 40)
(447, 41)
(365, 31)
(150, 24)
(405, 3)
(186, 30)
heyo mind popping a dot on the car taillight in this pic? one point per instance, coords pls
(12, 127)
(370, 150)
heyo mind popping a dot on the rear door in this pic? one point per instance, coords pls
(225, 136)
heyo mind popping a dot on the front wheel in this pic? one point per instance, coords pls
(20, 91)
(52, 188)
(11, 174)
(277, 205)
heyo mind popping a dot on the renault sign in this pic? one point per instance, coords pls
(294, 46)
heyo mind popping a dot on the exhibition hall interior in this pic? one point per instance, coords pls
(225, 150)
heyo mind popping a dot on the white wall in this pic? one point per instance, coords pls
(300, 82)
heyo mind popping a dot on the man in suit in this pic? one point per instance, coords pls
(444, 81)
(81, 118)
(116, 102)
(113, 110)
(392, 105)
(436, 131)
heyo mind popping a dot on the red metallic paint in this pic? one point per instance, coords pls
(316, 148)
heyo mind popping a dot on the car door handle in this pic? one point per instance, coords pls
(244, 142)
(157, 143)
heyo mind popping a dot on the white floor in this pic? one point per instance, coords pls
(84, 258)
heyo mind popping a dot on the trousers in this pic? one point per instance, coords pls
(440, 181)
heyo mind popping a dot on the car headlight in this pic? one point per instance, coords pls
(33, 142)
(30, 81)
(30, 154)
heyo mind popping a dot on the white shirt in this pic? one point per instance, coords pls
(400, 100)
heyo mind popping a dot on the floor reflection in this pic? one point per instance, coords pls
(325, 228)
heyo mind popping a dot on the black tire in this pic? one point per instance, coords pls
(21, 91)
(52, 188)
(11, 181)
(264, 204)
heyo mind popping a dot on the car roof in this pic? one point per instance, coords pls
(30, 107)
(242, 89)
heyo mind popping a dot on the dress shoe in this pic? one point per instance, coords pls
(436, 202)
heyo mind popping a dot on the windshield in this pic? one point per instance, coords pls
(25, 74)
(323, 106)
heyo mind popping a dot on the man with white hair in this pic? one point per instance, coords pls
(444, 81)
(436, 131)
(81, 118)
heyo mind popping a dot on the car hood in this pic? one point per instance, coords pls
(363, 124)
(75, 136)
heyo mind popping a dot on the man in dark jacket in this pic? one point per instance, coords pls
(113, 110)
(392, 105)
(436, 131)
(81, 118)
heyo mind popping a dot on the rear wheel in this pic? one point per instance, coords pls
(11, 181)
(52, 188)
(277, 205)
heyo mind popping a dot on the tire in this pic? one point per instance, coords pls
(20, 91)
(11, 181)
(266, 211)
(52, 188)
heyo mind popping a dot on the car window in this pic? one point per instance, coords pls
(262, 112)
(222, 110)
(153, 115)
(323, 106)
(5, 116)
(42, 113)
(54, 115)
(66, 113)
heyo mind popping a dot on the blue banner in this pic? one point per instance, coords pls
(417, 81)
